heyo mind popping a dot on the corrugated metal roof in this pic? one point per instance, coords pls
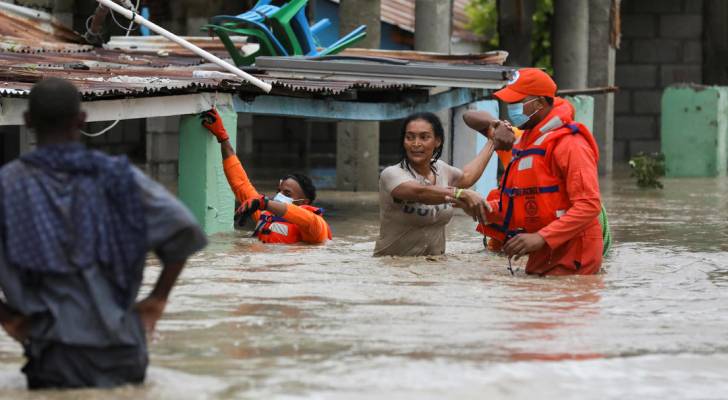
(161, 46)
(33, 25)
(31, 49)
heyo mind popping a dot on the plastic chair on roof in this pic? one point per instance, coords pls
(292, 28)
(289, 32)
(239, 58)
(253, 19)
(345, 42)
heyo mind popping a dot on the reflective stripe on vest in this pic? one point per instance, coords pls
(274, 229)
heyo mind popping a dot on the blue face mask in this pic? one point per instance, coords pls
(516, 115)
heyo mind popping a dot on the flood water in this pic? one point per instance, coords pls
(257, 321)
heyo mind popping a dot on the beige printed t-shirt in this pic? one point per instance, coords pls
(411, 228)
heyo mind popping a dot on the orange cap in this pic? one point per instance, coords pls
(527, 82)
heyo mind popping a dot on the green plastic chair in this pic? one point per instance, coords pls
(291, 28)
(283, 28)
(241, 60)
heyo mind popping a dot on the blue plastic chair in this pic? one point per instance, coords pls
(284, 29)
(254, 19)
(314, 30)
(344, 42)
(291, 26)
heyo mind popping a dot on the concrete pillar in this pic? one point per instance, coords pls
(433, 25)
(162, 141)
(189, 15)
(515, 25)
(602, 56)
(353, 13)
(357, 156)
(202, 184)
(571, 43)
(433, 33)
(357, 143)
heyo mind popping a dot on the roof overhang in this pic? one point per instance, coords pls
(12, 109)
(387, 71)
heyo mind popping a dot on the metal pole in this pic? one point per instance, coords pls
(266, 87)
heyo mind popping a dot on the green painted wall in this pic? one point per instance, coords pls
(202, 184)
(584, 110)
(694, 129)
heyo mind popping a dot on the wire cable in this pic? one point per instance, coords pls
(128, 31)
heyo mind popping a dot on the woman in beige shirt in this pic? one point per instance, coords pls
(416, 195)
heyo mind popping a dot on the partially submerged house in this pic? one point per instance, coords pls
(161, 87)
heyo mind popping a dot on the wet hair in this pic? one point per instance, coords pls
(53, 104)
(306, 184)
(549, 100)
(437, 128)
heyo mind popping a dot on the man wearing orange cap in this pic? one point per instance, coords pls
(548, 202)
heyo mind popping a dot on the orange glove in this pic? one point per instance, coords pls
(249, 207)
(212, 121)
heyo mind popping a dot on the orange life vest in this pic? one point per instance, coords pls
(530, 195)
(274, 229)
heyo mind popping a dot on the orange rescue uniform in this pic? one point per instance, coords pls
(298, 224)
(573, 234)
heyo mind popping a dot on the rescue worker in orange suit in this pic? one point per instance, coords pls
(548, 202)
(289, 217)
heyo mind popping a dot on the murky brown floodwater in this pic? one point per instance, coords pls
(260, 322)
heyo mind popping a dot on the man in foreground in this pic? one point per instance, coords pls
(75, 227)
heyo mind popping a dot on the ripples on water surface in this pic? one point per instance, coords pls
(332, 322)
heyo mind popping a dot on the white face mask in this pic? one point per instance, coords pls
(282, 198)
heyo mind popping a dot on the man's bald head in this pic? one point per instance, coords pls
(54, 110)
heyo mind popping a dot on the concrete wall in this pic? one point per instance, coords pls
(695, 130)
(661, 45)
(127, 137)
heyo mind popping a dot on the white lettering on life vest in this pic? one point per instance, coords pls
(279, 228)
(525, 163)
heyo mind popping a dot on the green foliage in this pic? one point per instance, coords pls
(543, 18)
(483, 16)
(648, 168)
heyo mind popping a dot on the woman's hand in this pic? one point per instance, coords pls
(472, 203)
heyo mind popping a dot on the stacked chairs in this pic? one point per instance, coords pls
(279, 31)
